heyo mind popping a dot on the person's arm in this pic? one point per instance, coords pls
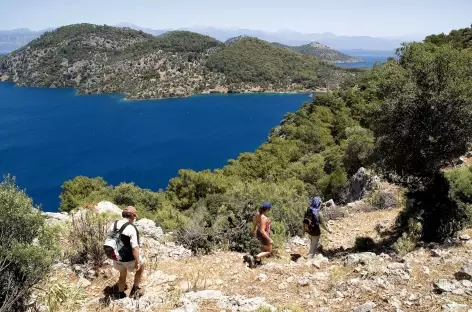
(263, 231)
(136, 251)
(254, 226)
(136, 257)
(305, 228)
(306, 225)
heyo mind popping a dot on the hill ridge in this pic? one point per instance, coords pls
(106, 59)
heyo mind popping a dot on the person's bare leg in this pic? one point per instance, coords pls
(267, 250)
(122, 280)
(137, 276)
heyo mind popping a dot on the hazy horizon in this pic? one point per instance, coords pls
(229, 29)
(340, 17)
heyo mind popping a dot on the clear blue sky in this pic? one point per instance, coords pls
(342, 17)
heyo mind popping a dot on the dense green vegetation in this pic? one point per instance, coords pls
(70, 35)
(27, 247)
(174, 41)
(460, 38)
(321, 52)
(100, 59)
(257, 61)
(407, 119)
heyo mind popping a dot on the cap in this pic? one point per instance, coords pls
(267, 205)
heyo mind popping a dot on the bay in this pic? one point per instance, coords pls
(48, 136)
(367, 61)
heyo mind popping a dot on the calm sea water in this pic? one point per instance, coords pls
(48, 136)
(369, 61)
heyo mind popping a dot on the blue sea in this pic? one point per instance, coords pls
(369, 57)
(368, 61)
(48, 136)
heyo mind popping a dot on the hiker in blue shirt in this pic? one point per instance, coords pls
(312, 223)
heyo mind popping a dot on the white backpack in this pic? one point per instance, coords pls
(114, 247)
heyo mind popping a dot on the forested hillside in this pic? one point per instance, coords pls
(103, 59)
(321, 52)
(256, 61)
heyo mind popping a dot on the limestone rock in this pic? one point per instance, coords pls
(232, 303)
(317, 261)
(157, 250)
(464, 237)
(304, 282)
(108, 207)
(148, 228)
(329, 204)
(466, 283)
(360, 184)
(444, 285)
(83, 282)
(400, 270)
(296, 240)
(454, 307)
(262, 277)
(56, 216)
(359, 258)
(366, 307)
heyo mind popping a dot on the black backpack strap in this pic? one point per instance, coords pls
(137, 233)
(123, 227)
(115, 226)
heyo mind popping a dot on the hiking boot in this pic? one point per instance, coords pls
(249, 260)
(136, 292)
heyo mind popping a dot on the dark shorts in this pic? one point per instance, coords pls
(264, 241)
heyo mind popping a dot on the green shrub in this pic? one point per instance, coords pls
(81, 190)
(359, 149)
(383, 199)
(87, 235)
(460, 181)
(27, 246)
(335, 185)
(168, 217)
(405, 244)
(191, 186)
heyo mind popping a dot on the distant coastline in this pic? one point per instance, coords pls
(125, 96)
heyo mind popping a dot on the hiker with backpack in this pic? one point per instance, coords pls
(122, 246)
(313, 221)
(261, 230)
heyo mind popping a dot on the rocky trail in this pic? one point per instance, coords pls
(431, 278)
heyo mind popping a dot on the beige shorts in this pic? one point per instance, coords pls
(130, 265)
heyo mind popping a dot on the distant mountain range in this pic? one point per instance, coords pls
(16, 38)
